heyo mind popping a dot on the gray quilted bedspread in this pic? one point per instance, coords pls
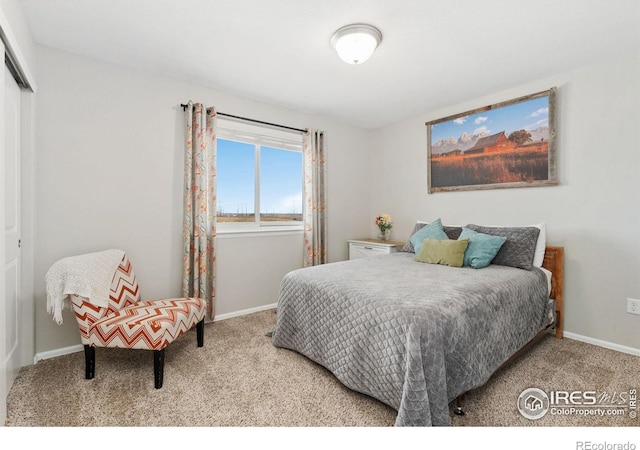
(412, 335)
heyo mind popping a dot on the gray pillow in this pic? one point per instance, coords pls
(408, 246)
(519, 248)
(451, 232)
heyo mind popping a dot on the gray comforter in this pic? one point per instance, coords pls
(412, 335)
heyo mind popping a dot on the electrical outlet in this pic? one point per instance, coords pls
(633, 306)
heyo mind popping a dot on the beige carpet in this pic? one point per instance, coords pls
(239, 379)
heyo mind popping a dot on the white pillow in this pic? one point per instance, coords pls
(541, 245)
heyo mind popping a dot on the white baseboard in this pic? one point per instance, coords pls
(58, 352)
(605, 344)
(244, 312)
(78, 348)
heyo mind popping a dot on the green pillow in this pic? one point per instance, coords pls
(445, 252)
(482, 248)
(434, 230)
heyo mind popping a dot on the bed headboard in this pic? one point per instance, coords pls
(554, 262)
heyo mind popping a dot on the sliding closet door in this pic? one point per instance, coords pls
(10, 308)
(3, 291)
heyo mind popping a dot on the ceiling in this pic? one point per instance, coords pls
(434, 53)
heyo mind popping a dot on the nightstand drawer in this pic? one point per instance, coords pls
(364, 248)
(364, 251)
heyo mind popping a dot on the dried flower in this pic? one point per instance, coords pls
(384, 222)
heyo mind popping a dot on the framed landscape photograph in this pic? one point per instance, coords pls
(506, 145)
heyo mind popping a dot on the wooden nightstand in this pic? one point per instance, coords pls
(363, 248)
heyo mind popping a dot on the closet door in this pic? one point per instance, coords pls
(10, 308)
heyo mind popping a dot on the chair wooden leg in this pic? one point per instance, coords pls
(89, 362)
(158, 367)
(200, 333)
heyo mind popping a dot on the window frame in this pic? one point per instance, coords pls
(260, 137)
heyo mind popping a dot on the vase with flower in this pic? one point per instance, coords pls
(384, 223)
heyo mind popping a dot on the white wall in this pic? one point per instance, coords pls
(107, 133)
(594, 212)
(109, 174)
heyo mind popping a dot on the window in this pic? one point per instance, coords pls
(259, 180)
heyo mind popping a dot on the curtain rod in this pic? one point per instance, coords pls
(246, 119)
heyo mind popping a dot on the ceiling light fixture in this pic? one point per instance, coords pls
(356, 43)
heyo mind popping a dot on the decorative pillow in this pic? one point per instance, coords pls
(433, 230)
(519, 248)
(482, 248)
(451, 232)
(445, 252)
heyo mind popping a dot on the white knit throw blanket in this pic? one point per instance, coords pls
(88, 276)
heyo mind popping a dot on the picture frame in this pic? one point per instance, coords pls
(511, 144)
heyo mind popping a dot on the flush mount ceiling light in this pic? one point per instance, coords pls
(356, 43)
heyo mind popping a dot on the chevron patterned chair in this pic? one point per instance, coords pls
(128, 322)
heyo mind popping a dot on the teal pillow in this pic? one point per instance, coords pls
(434, 230)
(482, 248)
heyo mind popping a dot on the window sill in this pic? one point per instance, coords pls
(230, 233)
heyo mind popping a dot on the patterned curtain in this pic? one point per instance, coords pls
(315, 204)
(199, 223)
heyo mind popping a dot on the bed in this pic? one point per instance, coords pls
(417, 336)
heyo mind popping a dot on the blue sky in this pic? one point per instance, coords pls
(280, 179)
(527, 115)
